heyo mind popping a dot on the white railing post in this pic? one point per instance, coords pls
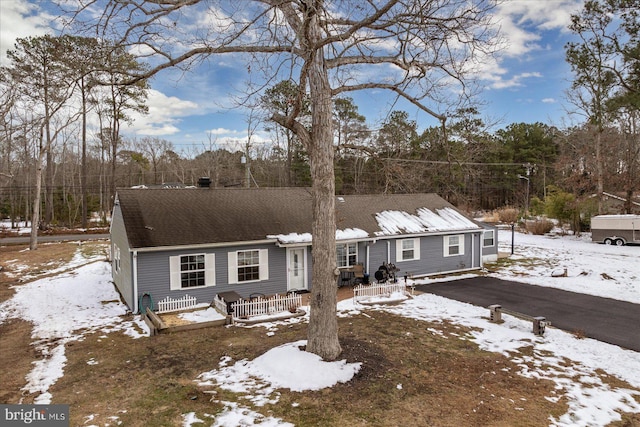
(377, 290)
(170, 304)
(265, 306)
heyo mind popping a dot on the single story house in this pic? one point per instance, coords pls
(204, 241)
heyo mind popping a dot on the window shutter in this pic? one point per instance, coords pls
(174, 273)
(232, 267)
(416, 249)
(264, 264)
(209, 269)
(398, 250)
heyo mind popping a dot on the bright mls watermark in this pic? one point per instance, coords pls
(34, 415)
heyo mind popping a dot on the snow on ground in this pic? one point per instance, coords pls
(592, 402)
(595, 269)
(200, 316)
(608, 271)
(63, 309)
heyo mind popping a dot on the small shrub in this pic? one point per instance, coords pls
(539, 227)
(536, 206)
(508, 215)
(490, 217)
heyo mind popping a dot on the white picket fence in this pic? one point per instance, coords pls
(266, 306)
(377, 290)
(220, 304)
(170, 304)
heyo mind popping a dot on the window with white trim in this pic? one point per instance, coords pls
(248, 266)
(454, 245)
(346, 254)
(489, 238)
(192, 270)
(407, 250)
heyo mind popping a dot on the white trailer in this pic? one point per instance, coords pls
(615, 229)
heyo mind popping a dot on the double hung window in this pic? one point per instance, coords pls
(407, 250)
(346, 254)
(454, 245)
(489, 238)
(192, 271)
(251, 265)
(248, 265)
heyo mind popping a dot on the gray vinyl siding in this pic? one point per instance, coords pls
(154, 274)
(123, 279)
(362, 253)
(431, 260)
(490, 250)
(377, 255)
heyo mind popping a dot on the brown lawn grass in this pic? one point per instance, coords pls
(20, 266)
(445, 380)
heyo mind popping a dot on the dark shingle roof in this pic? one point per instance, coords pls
(175, 217)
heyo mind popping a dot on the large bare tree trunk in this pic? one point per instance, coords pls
(323, 325)
(83, 166)
(35, 218)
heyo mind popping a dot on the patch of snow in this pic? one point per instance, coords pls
(286, 366)
(206, 315)
(346, 234)
(63, 309)
(291, 238)
(190, 418)
(351, 233)
(235, 415)
(446, 219)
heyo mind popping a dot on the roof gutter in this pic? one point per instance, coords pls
(204, 245)
(372, 239)
(423, 234)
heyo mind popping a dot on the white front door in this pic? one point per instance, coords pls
(297, 272)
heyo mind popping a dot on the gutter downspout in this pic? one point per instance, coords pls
(481, 243)
(367, 256)
(388, 251)
(135, 281)
(473, 249)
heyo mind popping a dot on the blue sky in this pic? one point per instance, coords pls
(525, 83)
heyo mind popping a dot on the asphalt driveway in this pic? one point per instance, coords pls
(604, 319)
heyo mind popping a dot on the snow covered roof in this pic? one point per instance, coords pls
(425, 220)
(291, 238)
(183, 217)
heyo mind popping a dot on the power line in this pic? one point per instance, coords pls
(444, 162)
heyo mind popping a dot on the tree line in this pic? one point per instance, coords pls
(473, 167)
(51, 88)
(64, 102)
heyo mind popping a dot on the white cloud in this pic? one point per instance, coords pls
(513, 81)
(549, 101)
(18, 19)
(223, 131)
(525, 25)
(522, 22)
(164, 114)
(236, 140)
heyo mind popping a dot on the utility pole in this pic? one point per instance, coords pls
(247, 179)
